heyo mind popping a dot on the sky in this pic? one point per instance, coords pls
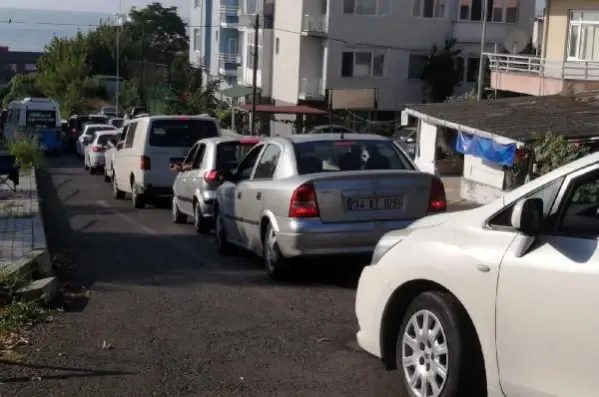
(110, 6)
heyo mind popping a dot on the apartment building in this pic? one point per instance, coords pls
(214, 38)
(381, 44)
(569, 57)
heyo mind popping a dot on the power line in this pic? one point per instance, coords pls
(338, 40)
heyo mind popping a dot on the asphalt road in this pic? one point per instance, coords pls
(168, 316)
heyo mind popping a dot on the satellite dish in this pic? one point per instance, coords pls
(516, 41)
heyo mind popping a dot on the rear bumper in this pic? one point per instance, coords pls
(312, 237)
(150, 190)
(96, 160)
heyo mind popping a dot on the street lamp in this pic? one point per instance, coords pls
(119, 21)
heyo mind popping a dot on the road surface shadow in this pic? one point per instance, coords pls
(64, 372)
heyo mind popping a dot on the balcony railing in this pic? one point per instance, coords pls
(229, 10)
(565, 70)
(314, 23)
(311, 88)
(229, 57)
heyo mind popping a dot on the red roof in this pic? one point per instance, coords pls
(299, 109)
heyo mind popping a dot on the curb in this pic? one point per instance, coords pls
(43, 289)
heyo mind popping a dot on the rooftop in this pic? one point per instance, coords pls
(574, 116)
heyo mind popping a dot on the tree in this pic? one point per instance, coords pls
(553, 151)
(63, 70)
(440, 73)
(22, 86)
(189, 94)
(164, 32)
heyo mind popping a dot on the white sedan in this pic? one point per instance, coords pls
(495, 301)
(87, 134)
(93, 158)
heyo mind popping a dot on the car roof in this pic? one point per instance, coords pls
(106, 132)
(182, 117)
(99, 126)
(301, 138)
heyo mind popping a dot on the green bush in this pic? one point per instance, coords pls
(553, 151)
(26, 151)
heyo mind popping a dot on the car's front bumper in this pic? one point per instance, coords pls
(372, 296)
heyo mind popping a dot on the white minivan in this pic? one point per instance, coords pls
(149, 145)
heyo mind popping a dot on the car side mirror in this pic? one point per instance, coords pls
(527, 216)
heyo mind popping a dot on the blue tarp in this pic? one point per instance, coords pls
(486, 149)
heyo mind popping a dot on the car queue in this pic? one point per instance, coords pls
(449, 300)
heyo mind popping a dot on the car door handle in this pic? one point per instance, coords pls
(238, 195)
(258, 196)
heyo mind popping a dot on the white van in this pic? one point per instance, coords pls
(149, 145)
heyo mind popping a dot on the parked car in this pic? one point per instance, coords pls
(151, 144)
(454, 300)
(330, 128)
(76, 125)
(194, 190)
(320, 195)
(93, 159)
(111, 150)
(109, 111)
(116, 122)
(85, 138)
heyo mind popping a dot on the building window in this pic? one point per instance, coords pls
(197, 40)
(367, 7)
(503, 11)
(429, 8)
(362, 64)
(30, 67)
(416, 66)
(583, 36)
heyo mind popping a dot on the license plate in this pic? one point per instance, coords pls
(373, 203)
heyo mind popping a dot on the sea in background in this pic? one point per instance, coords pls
(31, 30)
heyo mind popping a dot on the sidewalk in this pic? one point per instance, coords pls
(452, 188)
(23, 247)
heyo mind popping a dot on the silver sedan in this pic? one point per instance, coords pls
(320, 195)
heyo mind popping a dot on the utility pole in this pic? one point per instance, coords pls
(143, 56)
(255, 74)
(483, 38)
(118, 56)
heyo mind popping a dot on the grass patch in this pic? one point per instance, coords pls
(15, 316)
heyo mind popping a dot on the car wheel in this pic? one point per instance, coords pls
(106, 177)
(116, 192)
(137, 199)
(85, 167)
(178, 216)
(431, 349)
(277, 266)
(200, 224)
(223, 246)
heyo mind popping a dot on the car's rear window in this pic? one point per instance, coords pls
(116, 122)
(349, 155)
(230, 154)
(103, 139)
(81, 122)
(181, 132)
(91, 130)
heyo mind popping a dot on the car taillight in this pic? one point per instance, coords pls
(210, 176)
(436, 200)
(303, 203)
(145, 163)
(97, 149)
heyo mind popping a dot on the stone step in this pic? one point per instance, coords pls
(44, 289)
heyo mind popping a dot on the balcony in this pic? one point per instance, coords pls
(539, 77)
(229, 17)
(228, 63)
(314, 25)
(311, 89)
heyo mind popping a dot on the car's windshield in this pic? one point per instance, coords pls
(80, 122)
(104, 138)
(182, 132)
(230, 154)
(116, 122)
(349, 155)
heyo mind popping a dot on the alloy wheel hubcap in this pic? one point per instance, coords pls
(270, 255)
(424, 354)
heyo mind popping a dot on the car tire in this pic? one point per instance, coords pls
(178, 216)
(85, 167)
(200, 224)
(106, 177)
(116, 192)
(137, 199)
(277, 266)
(445, 352)
(223, 246)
